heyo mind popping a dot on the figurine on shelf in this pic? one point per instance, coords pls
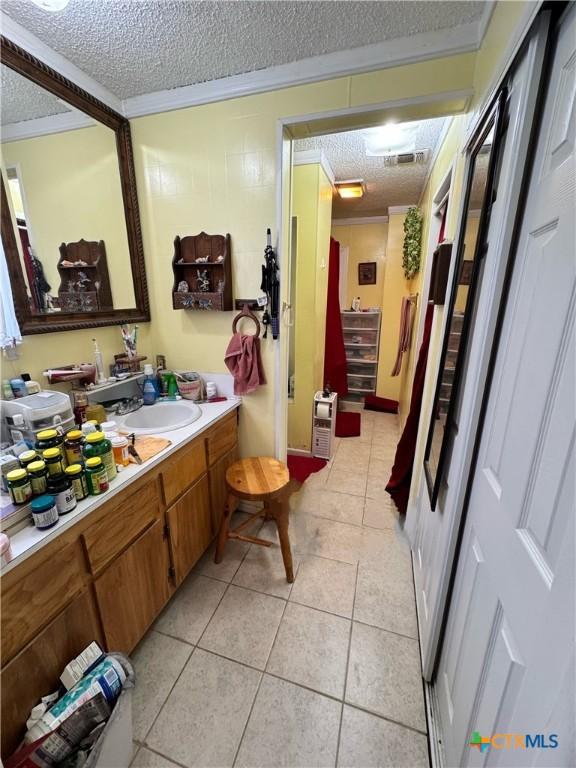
(201, 260)
(202, 281)
(220, 286)
(183, 287)
(220, 259)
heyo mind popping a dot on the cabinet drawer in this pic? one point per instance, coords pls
(181, 471)
(122, 522)
(133, 590)
(30, 603)
(222, 438)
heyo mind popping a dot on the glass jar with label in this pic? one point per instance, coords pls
(19, 486)
(38, 475)
(73, 444)
(49, 438)
(96, 477)
(77, 474)
(54, 461)
(120, 449)
(61, 488)
(98, 445)
(44, 512)
(27, 458)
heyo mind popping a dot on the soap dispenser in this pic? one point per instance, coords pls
(100, 377)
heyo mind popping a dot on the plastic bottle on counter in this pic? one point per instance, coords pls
(18, 386)
(96, 477)
(28, 457)
(38, 475)
(73, 446)
(19, 486)
(44, 512)
(60, 487)
(54, 460)
(98, 445)
(77, 475)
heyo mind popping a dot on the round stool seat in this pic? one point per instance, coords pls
(257, 478)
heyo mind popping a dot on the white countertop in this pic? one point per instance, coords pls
(30, 539)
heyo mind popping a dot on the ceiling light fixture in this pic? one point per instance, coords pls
(350, 188)
(53, 6)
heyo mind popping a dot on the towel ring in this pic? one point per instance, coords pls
(246, 313)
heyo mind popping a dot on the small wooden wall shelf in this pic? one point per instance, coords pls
(84, 262)
(214, 268)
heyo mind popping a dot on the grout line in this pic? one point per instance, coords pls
(347, 668)
(155, 752)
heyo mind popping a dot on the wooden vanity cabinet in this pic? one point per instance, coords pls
(108, 576)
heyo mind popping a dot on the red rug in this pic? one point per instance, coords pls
(373, 403)
(347, 424)
(301, 467)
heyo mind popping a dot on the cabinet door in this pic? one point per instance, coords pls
(133, 590)
(190, 528)
(34, 672)
(218, 492)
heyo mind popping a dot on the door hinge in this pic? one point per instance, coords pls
(172, 573)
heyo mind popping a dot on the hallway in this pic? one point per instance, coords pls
(244, 669)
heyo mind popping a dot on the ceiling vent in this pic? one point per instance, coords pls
(407, 158)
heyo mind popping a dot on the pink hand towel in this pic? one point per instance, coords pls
(244, 362)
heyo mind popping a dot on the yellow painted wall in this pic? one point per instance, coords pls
(312, 205)
(394, 288)
(213, 168)
(366, 242)
(71, 187)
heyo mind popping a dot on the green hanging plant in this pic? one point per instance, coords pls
(412, 237)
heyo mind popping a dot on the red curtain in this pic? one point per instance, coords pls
(399, 483)
(334, 352)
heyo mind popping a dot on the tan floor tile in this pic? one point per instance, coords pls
(347, 481)
(325, 584)
(380, 513)
(342, 507)
(188, 613)
(263, 570)
(145, 758)
(385, 596)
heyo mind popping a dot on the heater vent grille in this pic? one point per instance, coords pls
(407, 158)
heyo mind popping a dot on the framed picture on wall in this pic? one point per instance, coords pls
(367, 273)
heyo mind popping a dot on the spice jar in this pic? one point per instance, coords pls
(96, 412)
(49, 438)
(44, 512)
(38, 475)
(98, 445)
(54, 461)
(77, 475)
(96, 477)
(73, 446)
(120, 448)
(27, 458)
(60, 487)
(19, 486)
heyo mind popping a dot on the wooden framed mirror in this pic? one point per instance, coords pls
(70, 222)
(483, 161)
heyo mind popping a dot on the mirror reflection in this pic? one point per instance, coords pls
(477, 184)
(61, 174)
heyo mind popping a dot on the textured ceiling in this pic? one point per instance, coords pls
(24, 100)
(385, 186)
(139, 46)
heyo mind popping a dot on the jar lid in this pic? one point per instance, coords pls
(73, 469)
(74, 434)
(95, 461)
(42, 503)
(36, 466)
(47, 434)
(119, 440)
(92, 421)
(27, 455)
(16, 474)
(94, 437)
(108, 426)
(51, 453)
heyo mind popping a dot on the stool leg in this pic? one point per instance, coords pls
(224, 527)
(282, 519)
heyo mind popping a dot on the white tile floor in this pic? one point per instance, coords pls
(244, 669)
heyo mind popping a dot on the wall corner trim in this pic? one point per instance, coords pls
(314, 157)
(395, 210)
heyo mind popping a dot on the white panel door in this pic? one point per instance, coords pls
(507, 663)
(434, 533)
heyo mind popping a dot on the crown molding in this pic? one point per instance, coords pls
(42, 126)
(352, 222)
(31, 44)
(311, 157)
(390, 53)
(398, 210)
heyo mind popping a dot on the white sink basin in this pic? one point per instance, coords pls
(161, 417)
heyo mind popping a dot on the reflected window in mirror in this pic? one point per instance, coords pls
(484, 157)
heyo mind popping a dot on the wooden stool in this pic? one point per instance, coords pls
(258, 479)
